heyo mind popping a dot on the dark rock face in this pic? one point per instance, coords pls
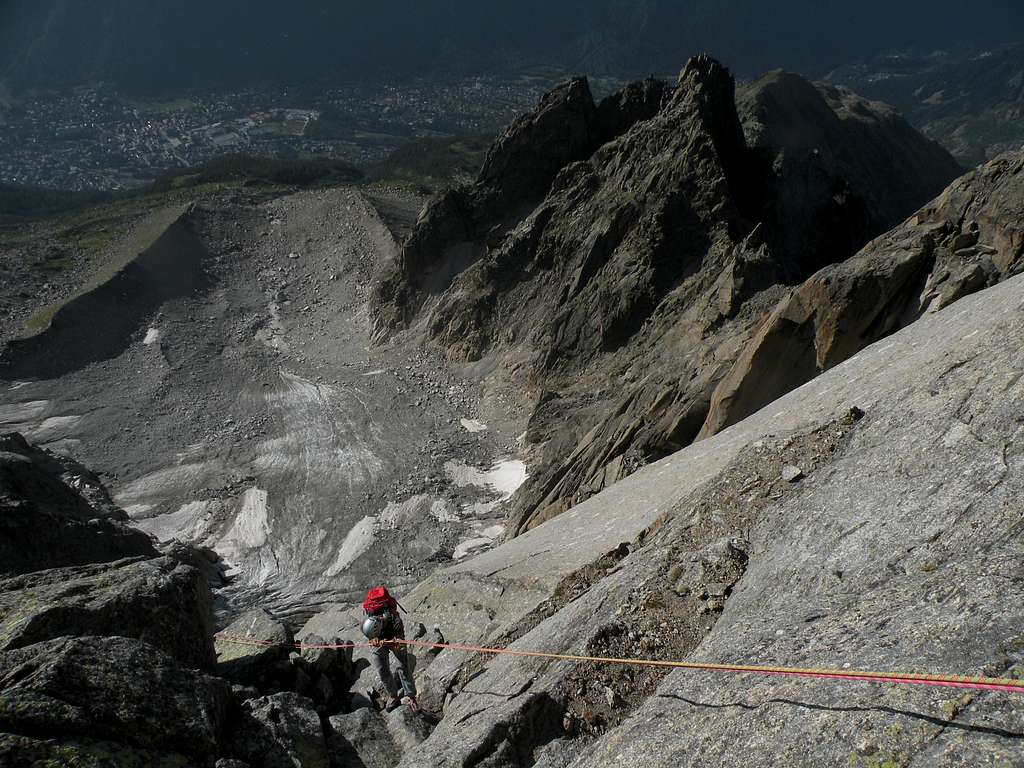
(280, 731)
(525, 158)
(455, 228)
(635, 103)
(55, 514)
(113, 689)
(28, 752)
(970, 238)
(840, 169)
(160, 602)
(591, 288)
(622, 299)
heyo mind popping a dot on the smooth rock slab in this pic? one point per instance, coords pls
(900, 552)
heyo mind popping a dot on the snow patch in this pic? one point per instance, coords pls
(411, 511)
(168, 481)
(152, 336)
(472, 425)
(21, 414)
(188, 523)
(466, 548)
(53, 428)
(251, 526)
(357, 542)
(504, 477)
(136, 511)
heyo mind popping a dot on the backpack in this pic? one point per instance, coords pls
(378, 601)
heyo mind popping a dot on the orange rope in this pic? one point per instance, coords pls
(1005, 685)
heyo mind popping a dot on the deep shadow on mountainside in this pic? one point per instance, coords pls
(151, 47)
(970, 100)
(616, 260)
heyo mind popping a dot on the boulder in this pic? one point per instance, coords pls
(408, 728)
(46, 522)
(361, 738)
(257, 663)
(279, 731)
(32, 752)
(114, 689)
(160, 602)
(325, 660)
(376, 739)
(203, 559)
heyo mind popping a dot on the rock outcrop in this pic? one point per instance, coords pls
(455, 228)
(160, 602)
(53, 514)
(259, 662)
(68, 694)
(969, 238)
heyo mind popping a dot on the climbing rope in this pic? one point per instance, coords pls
(1006, 685)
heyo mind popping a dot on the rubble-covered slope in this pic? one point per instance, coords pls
(895, 546)
(233, 400)
(618, 302)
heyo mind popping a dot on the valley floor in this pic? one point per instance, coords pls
(251, 415)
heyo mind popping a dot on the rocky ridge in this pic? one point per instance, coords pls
(650, 264)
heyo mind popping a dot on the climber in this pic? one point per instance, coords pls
(382, 625)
